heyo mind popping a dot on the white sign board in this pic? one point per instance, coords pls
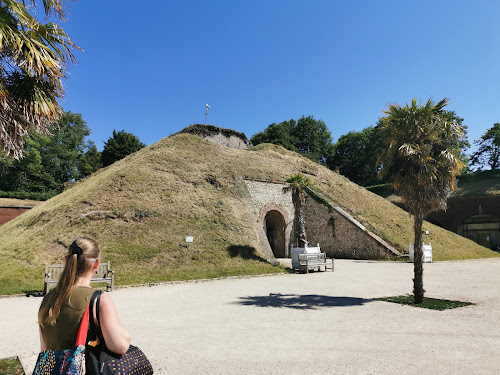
(189, 238)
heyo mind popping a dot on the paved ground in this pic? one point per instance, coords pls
(295, 324)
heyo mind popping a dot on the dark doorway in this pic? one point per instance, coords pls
(274, 225)
(483, 229)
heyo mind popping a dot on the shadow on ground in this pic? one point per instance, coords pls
(303, 302)
(245, 252)
(34, 293)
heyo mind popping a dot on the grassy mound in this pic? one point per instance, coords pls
(142, 207)
(478, 184)
(12, 202)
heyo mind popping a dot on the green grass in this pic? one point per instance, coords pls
(18, 202)
(478, 184)
(11, 366)
(142, 207)
(428, 303)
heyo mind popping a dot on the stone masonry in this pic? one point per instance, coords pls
(338, 234)
(266, 197)
(341, 236)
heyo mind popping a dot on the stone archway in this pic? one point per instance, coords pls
(483, 229)
(275, 224)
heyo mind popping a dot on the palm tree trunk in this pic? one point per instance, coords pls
(418, 269)
(302, 227)
(299, 219)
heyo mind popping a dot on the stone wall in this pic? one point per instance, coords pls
(220, 136)
(340, 236)
(263, 198)
(264, 193)
(460, 209)
(9, 213)
(231, 141)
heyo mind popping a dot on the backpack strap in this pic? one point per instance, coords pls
(80, 339)
(94, 329)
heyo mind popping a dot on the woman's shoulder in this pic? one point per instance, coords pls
(47, 297)
(80, 297)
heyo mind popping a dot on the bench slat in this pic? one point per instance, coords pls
(314, 260)
(104, 274)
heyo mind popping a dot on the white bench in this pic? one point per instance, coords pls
(104, 274)
(314, 261)
(426, 253)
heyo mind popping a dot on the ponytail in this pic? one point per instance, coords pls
(82, 254)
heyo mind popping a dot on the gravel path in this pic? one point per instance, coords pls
(296, 323)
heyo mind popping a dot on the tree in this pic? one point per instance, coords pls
(91, 161)
(355, 156)
(421, 160)
(33, 58)
(278, 134)
(65, 149)
(118, 146)
(488, 153)
(49, 161)
(313, 139)
(307, 136)
(463, 144)
(298, 184)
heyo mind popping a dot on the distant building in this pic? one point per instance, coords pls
(476, 218)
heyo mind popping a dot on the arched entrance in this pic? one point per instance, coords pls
(274, 227)
(483, 229)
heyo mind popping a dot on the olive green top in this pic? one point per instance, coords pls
(62, 334)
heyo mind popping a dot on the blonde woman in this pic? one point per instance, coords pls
(62, 308)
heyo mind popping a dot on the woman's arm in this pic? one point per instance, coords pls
(116, 337)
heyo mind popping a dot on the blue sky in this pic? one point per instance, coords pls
(149, 67)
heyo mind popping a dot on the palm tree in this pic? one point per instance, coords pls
(421, 160)
(298, 184)
(33, 57)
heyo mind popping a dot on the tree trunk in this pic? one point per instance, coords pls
(300, 226)
(418, 281)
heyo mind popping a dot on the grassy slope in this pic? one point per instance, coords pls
(486, 183)
(479, 184)
(18, 202)
(152, 199)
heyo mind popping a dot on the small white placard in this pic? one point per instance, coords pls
(189, 238)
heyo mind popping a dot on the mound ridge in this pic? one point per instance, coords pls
(142, 207)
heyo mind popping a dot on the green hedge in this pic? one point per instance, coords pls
(481, 175)
(384, 190)
(27, 195)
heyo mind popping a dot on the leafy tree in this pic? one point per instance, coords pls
(298, 184)
(463, 144)
(27, 174)
(278, 134)
(355, 156)
(313, 139)
(308, 136)
(421, 160)
(33, 58)
(49, 161)
(91, 161)
(488, 153)
(118, 146)
(63, 152)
